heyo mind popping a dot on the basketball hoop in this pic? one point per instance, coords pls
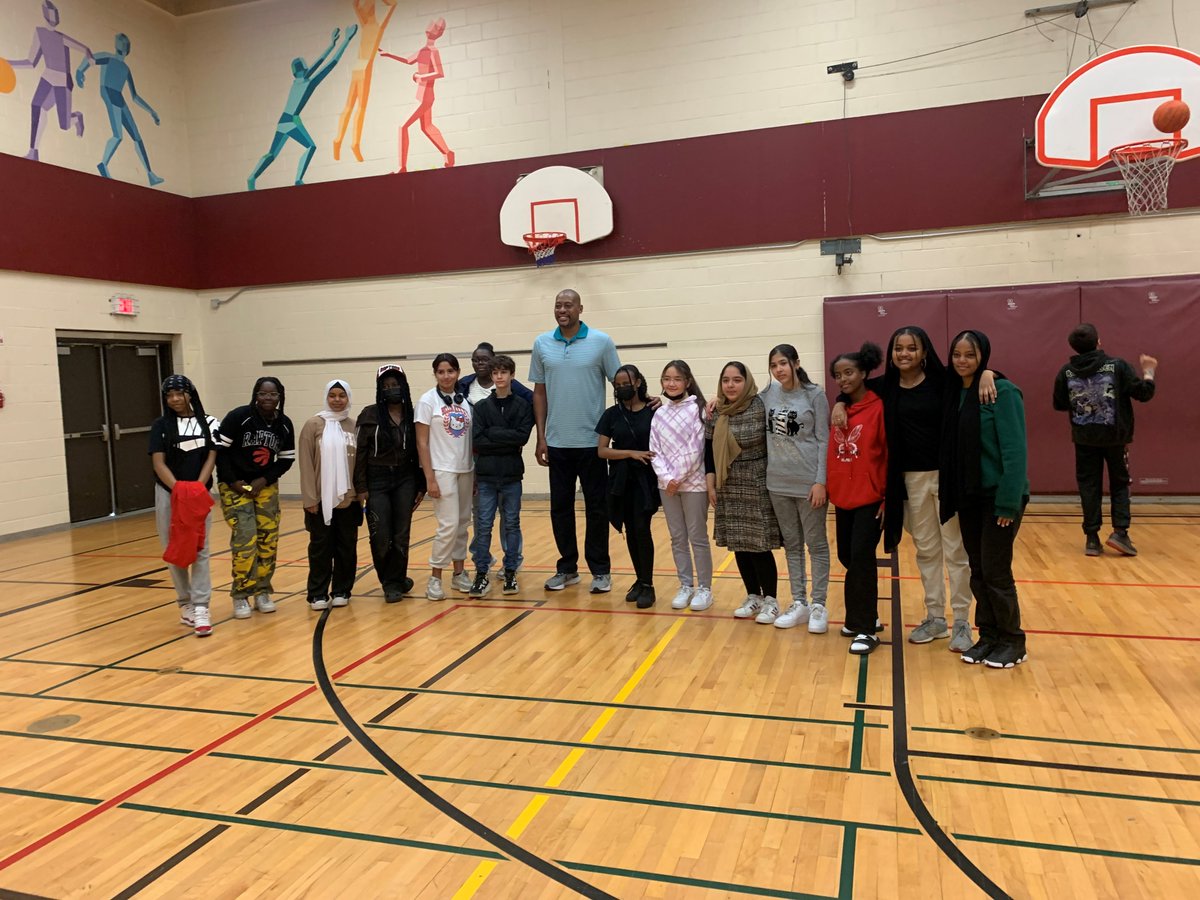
(1146, 167)
(542, 245)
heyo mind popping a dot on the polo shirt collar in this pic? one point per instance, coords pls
(579, 335)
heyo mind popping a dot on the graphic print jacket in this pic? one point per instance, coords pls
(249, 447)
(1098, 390)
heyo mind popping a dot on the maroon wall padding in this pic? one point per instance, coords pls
(62, 222)
(1027, 327)
(848, 323)
(1160, 317)
(902, 171)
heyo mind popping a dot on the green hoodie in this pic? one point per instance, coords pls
(1004, 456)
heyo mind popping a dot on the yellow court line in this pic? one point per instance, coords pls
(485, 868)
(725, 564)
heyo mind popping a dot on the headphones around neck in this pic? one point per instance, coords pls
(456, 401)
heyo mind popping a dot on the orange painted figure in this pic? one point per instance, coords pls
(429, 68)
(370, 33)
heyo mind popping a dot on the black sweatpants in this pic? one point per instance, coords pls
(760, 573)
(858, 532)
(638, 538)
(332, 551)
(391, 493)
(568, 464)
(990, 552)
(1089, 475)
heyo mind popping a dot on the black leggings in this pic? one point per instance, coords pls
(759, 572)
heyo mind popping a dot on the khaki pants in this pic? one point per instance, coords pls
(453, 511)
(937, 546)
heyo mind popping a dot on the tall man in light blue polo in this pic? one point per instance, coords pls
(571, 369)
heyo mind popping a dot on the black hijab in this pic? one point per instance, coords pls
(960, 471)
(935, 372)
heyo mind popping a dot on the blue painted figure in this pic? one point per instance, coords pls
(52, 48)
(114, 76)
(305, 79)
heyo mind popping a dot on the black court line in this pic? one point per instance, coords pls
(41, 562)
(1064, 767)
(437, 801)
(882, 706)
(901, 754)
(6, 894)
(81, 592)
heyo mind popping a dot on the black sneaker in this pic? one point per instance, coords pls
(977, 654)
(846, 632)
(480, 586)
(510, 581)
(1005, 656)
(406, 587)
(1119, 541)
(634, 592)
(1092, 547)
(646, 597)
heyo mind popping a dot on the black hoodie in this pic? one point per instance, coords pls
(1098, 390)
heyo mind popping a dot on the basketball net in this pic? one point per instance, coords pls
(542, 245)
(1146, 167)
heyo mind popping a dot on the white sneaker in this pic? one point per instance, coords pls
(769, 612)
(434, 590)
(187, 615)
(749, 608)
(202, 619)
(702, 599)
(264, 604)
(818, 619)
(681, 600)
(241, 607)
(461, 582)
(797, 614)
(339, 601)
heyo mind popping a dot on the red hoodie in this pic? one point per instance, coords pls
(857, 469)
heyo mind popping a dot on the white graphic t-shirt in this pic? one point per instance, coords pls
(449, 431)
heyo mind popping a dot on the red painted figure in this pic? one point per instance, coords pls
(429, 68)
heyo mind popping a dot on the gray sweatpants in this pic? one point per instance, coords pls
(687, 521)
(196, 587)
(801, 526)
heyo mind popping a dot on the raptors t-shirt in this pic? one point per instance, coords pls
(449, 430)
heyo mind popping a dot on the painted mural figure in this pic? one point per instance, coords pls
(53, 49)
(371, 33)
(114, 76)
(429, 68)
(305, 79)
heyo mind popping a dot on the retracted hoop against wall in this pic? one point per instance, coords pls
(1110, 102)
(557, 199)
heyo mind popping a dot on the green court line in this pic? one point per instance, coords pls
(672, 804)
(690, 882)
(1104, 795)
(1086, 851)
(675, 754)
(849, 848)
(1072, 741)
(132, 705)
(94, 742)
(860, 716)
(45, 795)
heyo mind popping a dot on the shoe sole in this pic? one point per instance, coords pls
(779, 624)
(566, 583)
(242, 615)
(318, 607)
(970, 661)
(764, 621)
(337, 605)
(265, 612)
(599, 590)
(1095, 552)
(738, 614)
(700, 608)
(929, 640)
(1011, 665)
(203, 632)
(1124, 551)
(865, 652)
(436, 599)
(812, 630)
(511, 591)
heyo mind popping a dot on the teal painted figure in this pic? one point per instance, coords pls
(305, 79)
(114, 76)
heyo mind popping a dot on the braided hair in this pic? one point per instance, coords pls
(384, 439)
(171, 419)
(258, 386)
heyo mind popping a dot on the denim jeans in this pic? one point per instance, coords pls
(489, 496)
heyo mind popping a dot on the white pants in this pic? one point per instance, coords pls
(937, 545)
(453, 511)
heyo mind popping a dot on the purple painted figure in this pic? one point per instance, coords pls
(53, 48)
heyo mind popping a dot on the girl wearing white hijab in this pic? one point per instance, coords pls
(332, 514)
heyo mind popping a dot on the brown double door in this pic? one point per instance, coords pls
(110, 397)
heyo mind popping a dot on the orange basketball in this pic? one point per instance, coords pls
(1172, 116)
(8, 78)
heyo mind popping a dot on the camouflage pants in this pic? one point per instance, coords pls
(255, 538)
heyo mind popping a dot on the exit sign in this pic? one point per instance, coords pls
(123, 306)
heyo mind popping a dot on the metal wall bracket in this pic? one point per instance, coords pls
(841, 249)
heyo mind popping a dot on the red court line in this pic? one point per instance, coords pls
(206, 749)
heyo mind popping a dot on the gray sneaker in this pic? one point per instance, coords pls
(241, 607)
(264, 604)
(560, 580)
(961, 640)
(929, 630)
(601, 584)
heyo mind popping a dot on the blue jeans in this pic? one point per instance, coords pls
(508, 498)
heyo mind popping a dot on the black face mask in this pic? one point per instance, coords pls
(625, 393)
(393, 395)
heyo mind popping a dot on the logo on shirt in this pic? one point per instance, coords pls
(261, 457)
(783, 422)
(847, 444)
(455, 421)
(1094, 397)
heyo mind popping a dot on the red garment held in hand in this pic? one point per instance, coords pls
(190, 503)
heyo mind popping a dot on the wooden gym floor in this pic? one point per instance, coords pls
(627, 754)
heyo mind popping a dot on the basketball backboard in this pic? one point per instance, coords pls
(556, 198)
(1110, 101)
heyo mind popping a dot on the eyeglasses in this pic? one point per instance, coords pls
(269, 395)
